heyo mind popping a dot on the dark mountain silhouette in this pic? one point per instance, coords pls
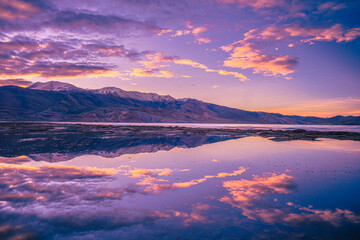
(55, 101)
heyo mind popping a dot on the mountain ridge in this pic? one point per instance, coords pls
(60, 86)
(56, 101)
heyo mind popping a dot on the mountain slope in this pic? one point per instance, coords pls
(65, 102)
(60, 86)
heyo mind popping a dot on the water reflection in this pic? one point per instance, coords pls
(64, 148)
(255, 188)
(250, 197)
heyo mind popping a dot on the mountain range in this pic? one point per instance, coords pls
(57, 101)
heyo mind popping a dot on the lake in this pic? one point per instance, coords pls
(218, 188)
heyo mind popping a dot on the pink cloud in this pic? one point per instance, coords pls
(195, 215)
(246, 192)
(250, 52)
(155, 185)
(257, 4)
(14, 9)
(249, 196)
(336, 33)
(195, 31)
(152, 72)
(151, 67)
(15, 82)
(246, 56)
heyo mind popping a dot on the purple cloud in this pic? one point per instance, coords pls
(16, 82)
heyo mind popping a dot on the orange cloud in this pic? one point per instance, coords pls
(337, 33)
(249, 196)
(15, 82)
(246, 55)
(58, 172)
(249, 54)
(159, 60)
(154, 186)
(246, 192)
(164, 31)
(195, 31)
(26, 183)
(153, 72)
(195, 215)
(136, 173)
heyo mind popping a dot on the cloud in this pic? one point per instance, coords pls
(23, 57)
(159, 60)
(16, 232)
(256, 4)
(60, 173)
(106, 50)
(288, 9)
(195, 31)
(22, 185)
(16, 82)
(245, 55)
(297, 215)
(246, 192)
(94, 218)
(249, 53)
(14, 9)
(250, 197)
(31, 49)
(52, 199)
(67, 220)
(42, 15)
(153, 184)
(57, 70)
(15, 160)
(151, 172)
(331, 6)
(309, 34)
(195, 215)
(152, 72)
(92, 22)
(310, 215)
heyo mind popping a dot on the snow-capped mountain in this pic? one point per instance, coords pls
(60, 86)
(54, 86)
(153, 97)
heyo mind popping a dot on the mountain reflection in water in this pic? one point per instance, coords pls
(201, 187)
(55, 145)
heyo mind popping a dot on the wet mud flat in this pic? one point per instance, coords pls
(29, 131)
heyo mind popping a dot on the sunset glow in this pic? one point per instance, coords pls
(289, 57)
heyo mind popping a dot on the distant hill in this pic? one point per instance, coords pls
(56, 101)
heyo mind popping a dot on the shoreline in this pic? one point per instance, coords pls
(241, 126)
(26, 128)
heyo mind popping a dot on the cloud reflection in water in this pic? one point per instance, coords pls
(131, 200)
(250, 197)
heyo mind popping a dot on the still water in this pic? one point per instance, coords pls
(245, 188)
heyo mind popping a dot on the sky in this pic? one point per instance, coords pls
(284, 56)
